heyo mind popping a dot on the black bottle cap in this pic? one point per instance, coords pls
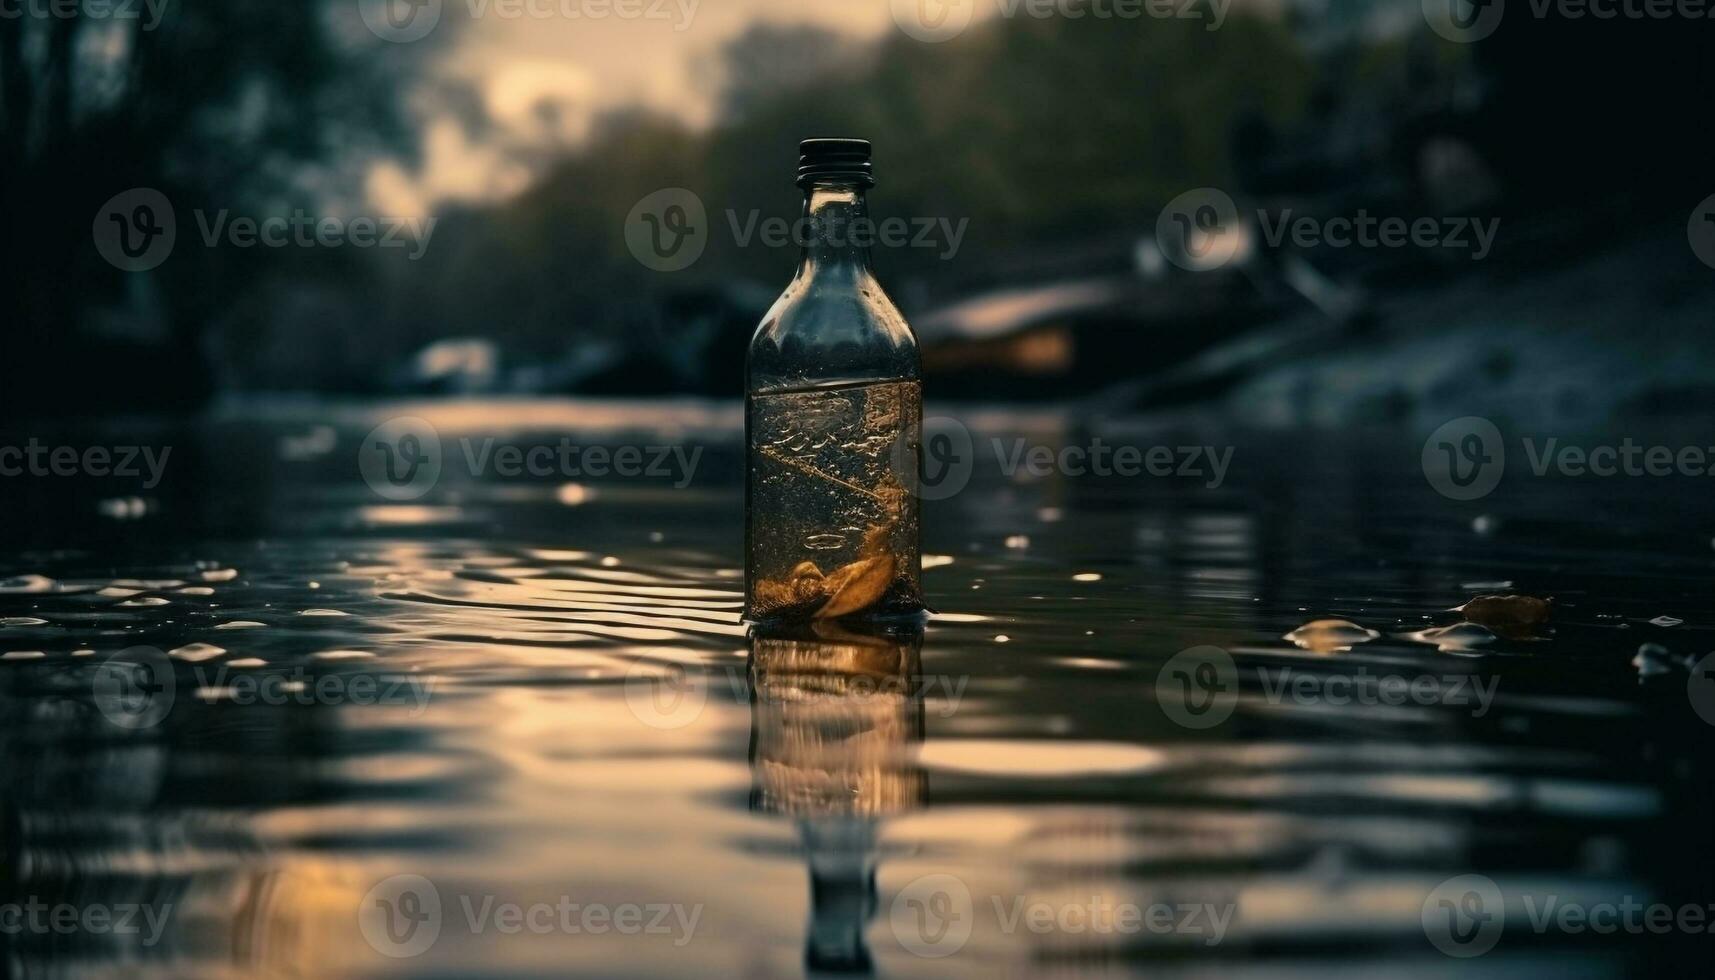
(822, 159)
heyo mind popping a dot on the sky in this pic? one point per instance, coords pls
(545, 68)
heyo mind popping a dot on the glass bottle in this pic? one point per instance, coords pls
(833, 420)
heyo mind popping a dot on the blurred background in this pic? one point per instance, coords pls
(529, 139)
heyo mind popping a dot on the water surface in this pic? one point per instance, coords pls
(536, 690)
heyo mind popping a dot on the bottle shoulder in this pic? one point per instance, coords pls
(829, 330)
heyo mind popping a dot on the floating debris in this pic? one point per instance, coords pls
(24, 655)
(123, 508)
(146, 601)
(220, 575)
(196, 653)
(196, 590)
(324, 612)
(241, 624)
(28, 585)
(248, 662)
(1087, 577)
(343, 655)
(1330, 635)
(22, 621)
(1502, 611)
(1653, 660)
(1002, 638)
(1458, 637)
(1666, 621)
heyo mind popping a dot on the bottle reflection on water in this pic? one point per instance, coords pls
(836, 716)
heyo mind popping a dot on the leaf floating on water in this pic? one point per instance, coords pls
(1501, 611)
(1666, 621)
(857, 586)
(1330, 635)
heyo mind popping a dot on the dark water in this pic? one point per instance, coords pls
(533, 693)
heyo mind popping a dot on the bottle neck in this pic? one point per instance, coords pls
(835, 232)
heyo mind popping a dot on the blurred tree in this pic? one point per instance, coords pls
(241, 104)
